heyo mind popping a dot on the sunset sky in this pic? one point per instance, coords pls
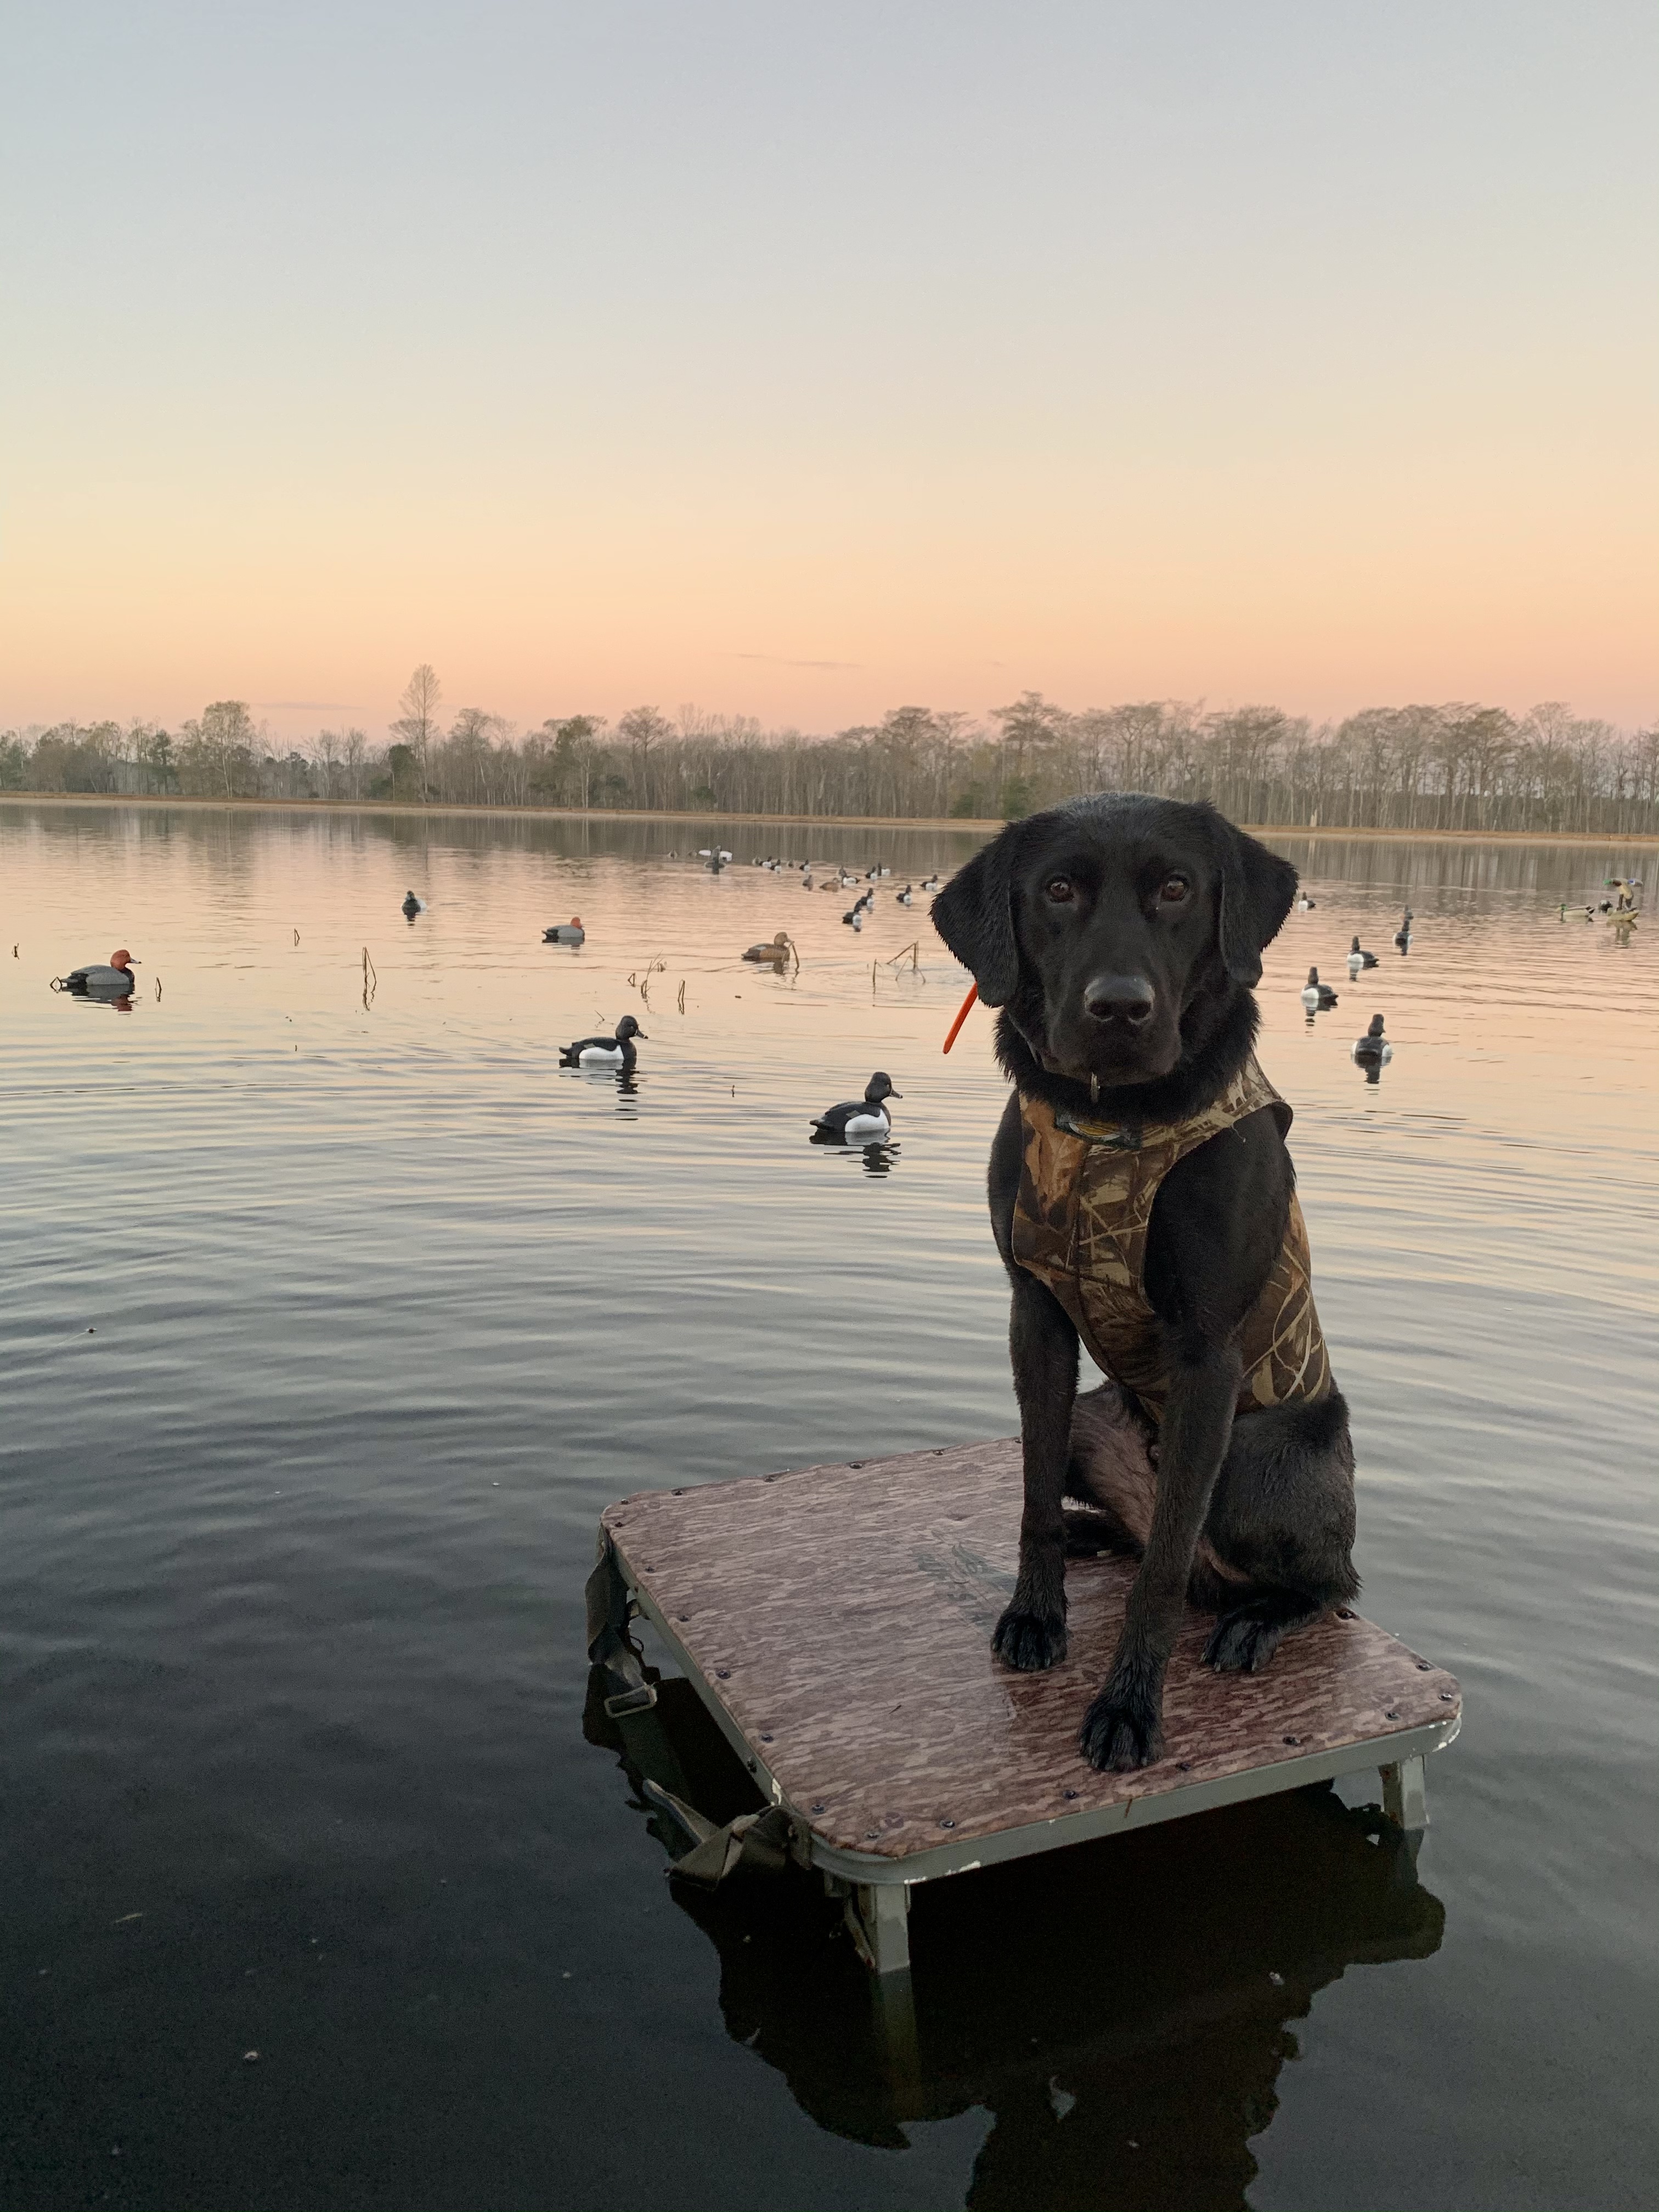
(800, 361)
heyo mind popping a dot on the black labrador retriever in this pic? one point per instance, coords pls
(1141, 1197)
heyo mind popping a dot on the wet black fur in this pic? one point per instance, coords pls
(1274, 1491)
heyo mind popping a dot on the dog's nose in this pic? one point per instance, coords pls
(1118, 999)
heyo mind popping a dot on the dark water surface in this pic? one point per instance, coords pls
(329, 1329)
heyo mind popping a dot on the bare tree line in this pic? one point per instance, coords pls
(1447, 767)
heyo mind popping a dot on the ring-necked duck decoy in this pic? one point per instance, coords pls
(114, 981)
(1373, 1047)
(930, 883)
(861, 1120)
(1315, 994)
(605, 1052)
(1403, 936)
(1306, 905)
(412, 906)
(776, 952)
(903, 896)
(1358, 957)
(565, 933)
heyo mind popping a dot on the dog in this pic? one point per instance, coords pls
(1143, 1202)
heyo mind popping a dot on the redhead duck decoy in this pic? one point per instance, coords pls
(565, 933)
(1403, 936)
(1373, 1048)
(776, 952)
(615, 1051)
(412, 906)
(114, 981)
(1315, 995)
(1358, 958)
(861, 1120)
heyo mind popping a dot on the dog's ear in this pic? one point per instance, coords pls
(974, 914)
(1256, 890)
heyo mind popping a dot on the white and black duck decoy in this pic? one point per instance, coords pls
(615, 1052)
(861, 1120)
(1373, 1049)
(1358, 957)
(775, 953)
(929, 884)
(903, 896)
(114, 981)
(565, 933)
(1315, 995)
(1306, 905)
(412, 906)
(1403, 936)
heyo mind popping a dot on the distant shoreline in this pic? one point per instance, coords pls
(956, 825)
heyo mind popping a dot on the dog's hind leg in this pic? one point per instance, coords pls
(1111, 1468)
(1281, 1529)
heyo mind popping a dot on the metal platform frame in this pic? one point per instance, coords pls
(876, 1889)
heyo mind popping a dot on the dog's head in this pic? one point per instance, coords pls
(1117, 932)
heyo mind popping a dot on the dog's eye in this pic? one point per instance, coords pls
(1173, 888)
(1059, 889)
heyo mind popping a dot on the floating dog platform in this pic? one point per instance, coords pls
(837, 1623)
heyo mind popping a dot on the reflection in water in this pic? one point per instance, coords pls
(877, 1159)
(1121, 2009)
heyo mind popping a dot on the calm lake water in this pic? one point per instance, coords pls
(329, 1329)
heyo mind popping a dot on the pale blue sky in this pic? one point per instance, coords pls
(690, 341)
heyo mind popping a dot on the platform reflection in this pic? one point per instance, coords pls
(1121, 2009)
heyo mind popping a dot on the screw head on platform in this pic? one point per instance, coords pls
(1393, 1713)
(947, 1824)
(723, 1673)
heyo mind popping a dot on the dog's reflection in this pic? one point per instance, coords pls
(1121, 2010)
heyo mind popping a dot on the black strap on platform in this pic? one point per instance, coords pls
(753, 1839)
(630, 1698)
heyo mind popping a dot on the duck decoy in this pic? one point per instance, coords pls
(775, 953)
(412, 906)
(1403, 936)
(1373, 1047)
(929, 884)
(615, 1051)
(903, 896)
(1306, 905)
(565, 933)
(1316, 995)
(1358, 957)
(113, 981)
(861, 1120)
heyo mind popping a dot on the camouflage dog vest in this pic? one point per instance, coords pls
(1086, 1189)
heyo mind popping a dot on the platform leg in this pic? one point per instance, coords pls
(878, 1914)
(1405, 1796)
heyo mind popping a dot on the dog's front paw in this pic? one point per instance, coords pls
(1121, 1730)
(1030, 1641)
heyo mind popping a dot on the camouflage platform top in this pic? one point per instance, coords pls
(1087, 1189)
